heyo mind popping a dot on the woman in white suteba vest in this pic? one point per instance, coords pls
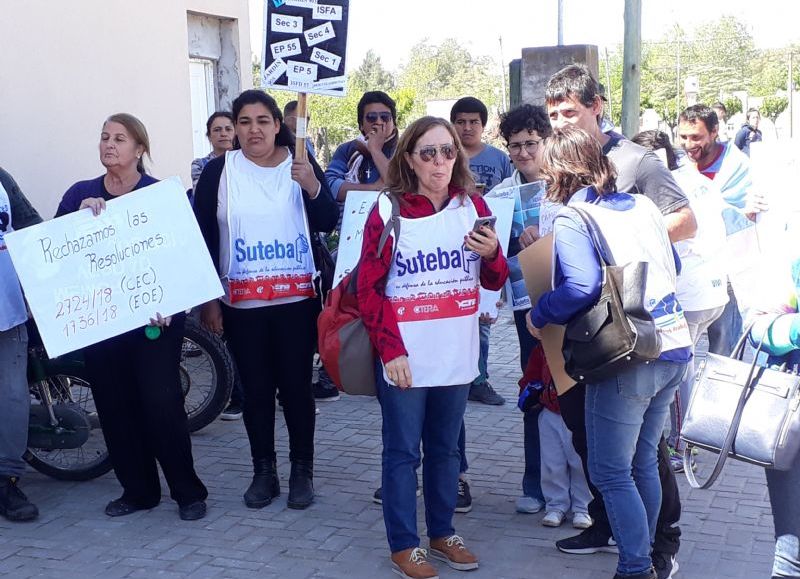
(419, 303)
(257, 207)
(625, 415)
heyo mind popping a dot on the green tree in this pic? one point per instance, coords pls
(772, 106)
(448, 71)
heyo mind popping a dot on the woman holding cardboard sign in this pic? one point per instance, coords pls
(257, 207)
(625, 413)
(420, 292)
(135, 377)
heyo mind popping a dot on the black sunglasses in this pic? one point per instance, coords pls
(373, 117)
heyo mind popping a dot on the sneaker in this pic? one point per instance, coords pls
(485, 394)
(666, 565)
(377, 496)
(451, 550)
(464, 498)
(14, 505)
(582, 520)
(588, 542)
(553, 519)
(325, 394)
(232, 412)
(413, 564)
(676, 460)
(529, 505)
(651, 574)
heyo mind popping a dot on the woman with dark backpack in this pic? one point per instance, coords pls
(258, 207)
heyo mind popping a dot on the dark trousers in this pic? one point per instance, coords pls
(137, 391)
(273, 347)
(668, 533)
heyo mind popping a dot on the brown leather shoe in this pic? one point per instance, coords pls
(413, 564)
(452, 551)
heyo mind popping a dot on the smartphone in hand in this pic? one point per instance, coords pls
(487, 221)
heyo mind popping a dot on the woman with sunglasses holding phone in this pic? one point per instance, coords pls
(420, 291)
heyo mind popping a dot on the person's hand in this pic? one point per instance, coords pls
(160, 322)
(399, 372)
(96, 204)
(529, 235)
(485, 318)
(754, 204)
(211, 316)
(303, 174)
(534, 331)
(377, 137)
(483, 242)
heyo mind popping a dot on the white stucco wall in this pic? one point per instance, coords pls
(66, 66)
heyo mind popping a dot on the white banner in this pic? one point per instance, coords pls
(89, 278)
(503, 209)
(356, 209)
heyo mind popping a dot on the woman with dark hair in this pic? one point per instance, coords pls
(135, 376)
(257, 207)
(423, 389)
(219, 132)
(625, 414)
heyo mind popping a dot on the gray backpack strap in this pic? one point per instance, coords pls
(392, 226)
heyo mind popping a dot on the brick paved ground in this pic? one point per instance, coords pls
(727, 531)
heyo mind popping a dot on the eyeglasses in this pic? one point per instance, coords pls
(427, 154)
(515, 149)
(373, 117)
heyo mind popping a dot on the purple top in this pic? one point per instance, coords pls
(71, 201)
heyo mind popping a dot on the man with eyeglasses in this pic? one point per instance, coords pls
(524, 129)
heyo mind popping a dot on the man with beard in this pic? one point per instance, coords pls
(729, 169)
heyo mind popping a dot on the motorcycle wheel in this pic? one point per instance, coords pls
(89, 461)
(207, 375)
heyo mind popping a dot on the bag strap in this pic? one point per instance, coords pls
(733, 430)
(600, 245)
(392, 226)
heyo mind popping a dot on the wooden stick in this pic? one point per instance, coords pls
(300, 145)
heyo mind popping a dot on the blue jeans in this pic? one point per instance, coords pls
(726, 329)
(15, 400)
(434, 417)
(784, 497)
(625, 417)
(532, 478)
(485, 331)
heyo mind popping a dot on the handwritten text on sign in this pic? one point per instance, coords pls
(356, 210)
(90, 278)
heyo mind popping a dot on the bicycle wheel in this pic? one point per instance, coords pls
(206, 375)
(90, 460)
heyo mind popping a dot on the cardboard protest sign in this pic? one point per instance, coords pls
(503, 209)
(356, 209)
(536, 262)
(89, 278)
(305, 46)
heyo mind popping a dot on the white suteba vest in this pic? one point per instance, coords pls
(702, 284)
(12, 304)
(639, 234)
(433, 285)
(269, 244)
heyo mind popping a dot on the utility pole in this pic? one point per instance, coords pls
(503, 76)
(678, 87)
(561, 22)
(790, 87)
(632, 74)
(608, 90)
